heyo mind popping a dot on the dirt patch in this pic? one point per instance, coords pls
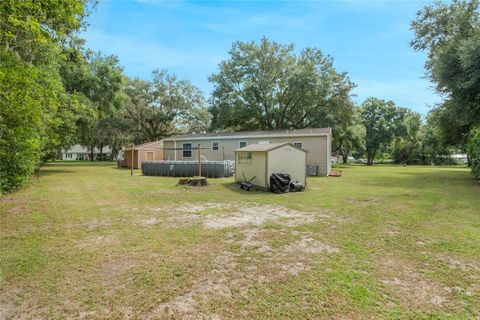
(308, 245)
(128, 208)
(199, 207)
(220, 216)
(257, 215)
(237, 272)
(96, 241)
(116, 267)
(252, 238)
(294, 268)
(412, 287)
(17, 210)
(230, 216)
(89, 225)
(148, 221)
(465, 266)
(216, 283)
(363, 202)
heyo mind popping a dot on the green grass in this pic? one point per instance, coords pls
(88, 240)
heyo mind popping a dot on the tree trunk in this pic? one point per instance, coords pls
(114, 152)
(370, 157)
(91, 152)
(101, 151)
(345, 158)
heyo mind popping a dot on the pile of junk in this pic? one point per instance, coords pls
(279, 183)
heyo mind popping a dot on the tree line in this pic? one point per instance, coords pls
(55, 92)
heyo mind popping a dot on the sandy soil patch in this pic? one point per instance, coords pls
(199, 207)
(412, 287)
(17, 210)
(363, 202)
(465, 266)
(116, 267)
(234, 272)
(220, 216)
(257, 215)
(231, 216)
(96, 241)
(89, 225)
(308, 245)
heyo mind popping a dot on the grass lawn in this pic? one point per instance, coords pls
(89, 241)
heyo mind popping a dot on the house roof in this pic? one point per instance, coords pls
(143, 145)
(146, 144)
(246, 134)
(266, 147)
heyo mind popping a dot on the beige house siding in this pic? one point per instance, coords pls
(318, 148)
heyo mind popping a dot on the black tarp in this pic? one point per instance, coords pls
(280, 182)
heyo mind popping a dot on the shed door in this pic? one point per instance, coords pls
(150, 155)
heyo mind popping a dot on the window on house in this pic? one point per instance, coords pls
(215, 145)
(244, 157)
(298, 144)
(243, 144)
(187, 150)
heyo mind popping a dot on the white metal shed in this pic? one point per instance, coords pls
(261, 160)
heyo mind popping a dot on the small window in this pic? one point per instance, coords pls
(243, 144)
(187, 150)
(298, 144)
(215, 145)
(244, 157)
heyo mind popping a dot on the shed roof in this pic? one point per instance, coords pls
(244, 134)
(266, 147)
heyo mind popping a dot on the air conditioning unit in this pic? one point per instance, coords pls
(312, 170)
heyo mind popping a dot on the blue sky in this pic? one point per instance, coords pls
(367, 39)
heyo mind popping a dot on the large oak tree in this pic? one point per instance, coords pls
(267, 85)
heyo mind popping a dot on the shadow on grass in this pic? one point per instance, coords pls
(124, 168)
(79, 163)
(437, 178)
(235, 187)
(54, 171)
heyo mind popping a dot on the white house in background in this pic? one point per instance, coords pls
(460, 158)
(78, 152)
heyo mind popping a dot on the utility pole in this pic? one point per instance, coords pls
(131, 159)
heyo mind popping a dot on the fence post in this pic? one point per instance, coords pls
(131, 161)
(199, 161)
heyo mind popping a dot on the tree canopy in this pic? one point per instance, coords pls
(450, 33)
(383, 121)
(266, 86)
(156, 109)
(35, 113)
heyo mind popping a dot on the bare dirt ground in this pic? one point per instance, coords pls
(233, 271)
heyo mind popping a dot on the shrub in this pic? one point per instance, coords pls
(473, 151)
(20, 118)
